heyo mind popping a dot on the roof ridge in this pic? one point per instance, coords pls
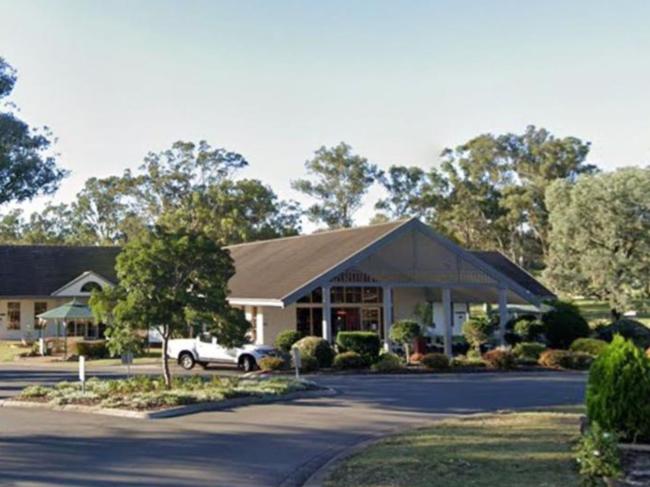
(324, 232)
(59, 246)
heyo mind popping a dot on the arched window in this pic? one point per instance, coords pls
(90, 286)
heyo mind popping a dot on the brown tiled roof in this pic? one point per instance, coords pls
(273, 269)
(39, 270)
(511, 270)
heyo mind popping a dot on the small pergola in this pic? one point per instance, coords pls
(71, 311)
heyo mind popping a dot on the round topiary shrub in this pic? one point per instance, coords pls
(365, 343)
(405, 332)
(349, 360)
(627, 328)
(270, 363)
(477, 332)
(528, 350)
(387, 363)
(529, 330)
(317, 347)
(285, 340)
(308, 363)
(592, 346)
(618, 389)
(564, 324)
(435, 361)
(500, 358)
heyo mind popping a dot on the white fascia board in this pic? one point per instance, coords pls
(81, 276)
(273, 303)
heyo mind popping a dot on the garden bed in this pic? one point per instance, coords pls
(147, 397)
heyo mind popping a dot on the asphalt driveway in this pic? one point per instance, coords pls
(266, 445)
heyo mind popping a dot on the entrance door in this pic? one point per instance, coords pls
(346, 319)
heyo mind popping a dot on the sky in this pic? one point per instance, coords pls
(274, 80)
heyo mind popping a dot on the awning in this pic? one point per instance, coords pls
(74, 310)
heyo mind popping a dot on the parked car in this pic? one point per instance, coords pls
(204, 350)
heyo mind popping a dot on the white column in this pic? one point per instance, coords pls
(447, 317)
(327, 314)
(259, 326)
(387, 293)
(503, 314)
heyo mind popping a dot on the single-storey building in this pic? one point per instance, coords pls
(361, 278)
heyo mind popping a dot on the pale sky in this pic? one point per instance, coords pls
(274, 80)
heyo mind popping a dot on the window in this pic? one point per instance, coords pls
(356, 295)
(39, 307)
(316, 296)
(309, 321)
(371, 295)
(90, 286)
(13, 316)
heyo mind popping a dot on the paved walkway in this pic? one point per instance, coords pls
(268, 445)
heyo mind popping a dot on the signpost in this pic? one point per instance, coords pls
(127, 359)
(295, 354)
(82, 373)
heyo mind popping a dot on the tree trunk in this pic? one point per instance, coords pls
(165, 363)
(408, 356)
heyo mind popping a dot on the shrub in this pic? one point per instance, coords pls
(285, 340)
(500, 358)
(627, 328)
(388, 362)
(416, 358)
(477, 332)
(529, 330)
(317, 347)
(647, 352)
(565, 359)
(467, 361)
(349, 360)
(404, 332)
(436, 361)
(271, 363)
(308, 363)
(528, 350)
(618, 389)
(598, 456)
(564, 324)
(92, 349)
(592, 346)
(364, 343)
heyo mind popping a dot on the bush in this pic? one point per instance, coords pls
(500, 358)
(565, 359)
(364, 343)
(416, 358)
(308, 363)
(592, 346)
(285, 340)
(387, 363)
(436, 361)
(317, 347)
(271, 363)
(467, 361)
(528, 350)
(627, 328)
(529, 330)
(477, 332)
(618, 389)
(404, 332)
(598, 455)
(92, 349)
(564, 324)
(349, 360)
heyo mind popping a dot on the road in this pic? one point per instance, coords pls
(265, 445)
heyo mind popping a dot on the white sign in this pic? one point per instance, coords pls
(82, 368)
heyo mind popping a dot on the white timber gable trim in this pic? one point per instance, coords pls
(82, 284)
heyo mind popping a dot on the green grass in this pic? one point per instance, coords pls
(148, 358)
(595, 311)
(10, 350)
(532, 449)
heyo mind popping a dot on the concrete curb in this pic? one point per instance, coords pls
(175, 411)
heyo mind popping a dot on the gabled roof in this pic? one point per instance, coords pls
(39, 270)
(507, 267)
(273, 269)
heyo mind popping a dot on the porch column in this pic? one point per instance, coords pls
(447, 317)
(503, 314)
(327, 314)
(259, 326)
(387, 295)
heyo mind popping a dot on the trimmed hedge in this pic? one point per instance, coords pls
(308, 363)
(436, 361)
(618, 390)
(528, 350)
(271, 363)
(349, 360)
(565, 359)
(592, 346)
(316, 347)
(387, 363)
(285, 340)
(627, 328)
(501, 359)
(564, 324)
(91, 349)
(365, 343)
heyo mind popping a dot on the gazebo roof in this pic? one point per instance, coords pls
(73, 310)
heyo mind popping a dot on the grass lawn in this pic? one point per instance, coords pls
(10, 350)
(149, 358)
(594, 311)
(509, 450)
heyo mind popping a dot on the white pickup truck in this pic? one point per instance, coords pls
(204, 350)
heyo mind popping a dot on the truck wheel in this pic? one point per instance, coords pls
(186, 360)
(248, 363)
